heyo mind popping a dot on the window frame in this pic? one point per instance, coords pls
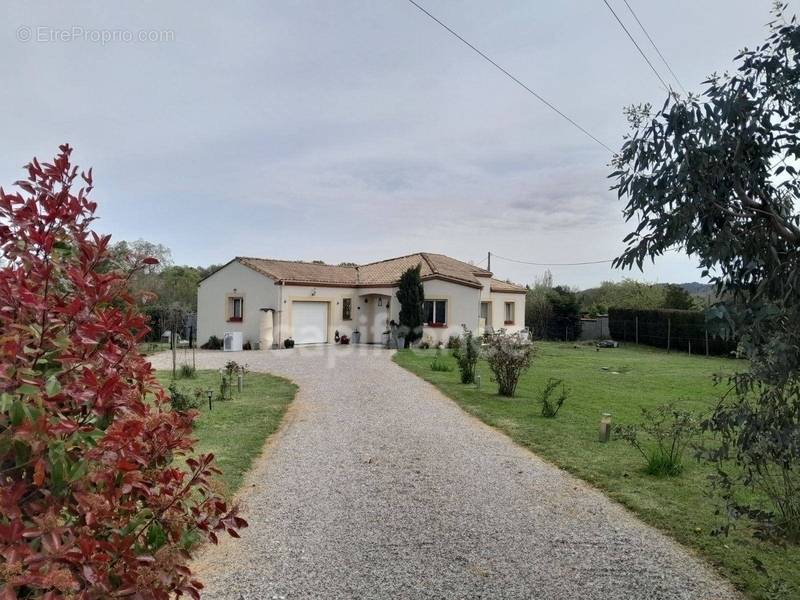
(513, 312)
(230, 308)
(488, 317)
(434, 302)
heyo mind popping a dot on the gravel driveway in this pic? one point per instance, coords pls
(378, 486)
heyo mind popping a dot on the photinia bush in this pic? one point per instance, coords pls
(92, 501)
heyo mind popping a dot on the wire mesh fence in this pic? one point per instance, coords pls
(678, 330)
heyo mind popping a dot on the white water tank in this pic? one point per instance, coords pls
(232, 341)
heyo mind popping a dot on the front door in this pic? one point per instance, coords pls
(378, 313)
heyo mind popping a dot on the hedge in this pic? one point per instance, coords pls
(683, 330)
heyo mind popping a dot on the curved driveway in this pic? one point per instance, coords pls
(378, 486)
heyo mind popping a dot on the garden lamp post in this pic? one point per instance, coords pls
(210, 394)
(605, 427)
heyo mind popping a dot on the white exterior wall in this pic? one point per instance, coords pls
(212, 297)
(463, 307)
(498, 308)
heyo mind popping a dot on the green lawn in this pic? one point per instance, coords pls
(236, 430)
(644, 377)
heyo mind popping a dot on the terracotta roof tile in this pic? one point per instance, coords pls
(295, 271)
(498, 285)
(385, 272)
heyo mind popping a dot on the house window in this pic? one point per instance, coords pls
(485, 313)
(435, 313)
(509, 313)
(235, 308)
(347, 309)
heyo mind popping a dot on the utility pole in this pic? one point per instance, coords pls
(489, 262)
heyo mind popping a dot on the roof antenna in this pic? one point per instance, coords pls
(489, 262)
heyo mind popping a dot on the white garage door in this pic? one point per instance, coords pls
(310, 322)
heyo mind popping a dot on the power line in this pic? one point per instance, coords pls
(661, 56)
(635, 43)
(510, 76)
(537, 264)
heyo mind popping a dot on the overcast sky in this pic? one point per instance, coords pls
(343, 130)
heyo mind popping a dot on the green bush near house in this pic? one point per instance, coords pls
(622, 381)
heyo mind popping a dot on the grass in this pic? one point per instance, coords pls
(621, 381)
(235, 430)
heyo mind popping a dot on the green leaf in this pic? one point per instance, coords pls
(27, 389)
(53, 386)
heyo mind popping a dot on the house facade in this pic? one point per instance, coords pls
(270, 300)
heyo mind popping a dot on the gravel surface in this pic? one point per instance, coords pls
(378, 486)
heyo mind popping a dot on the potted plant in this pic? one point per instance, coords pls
(288, 343)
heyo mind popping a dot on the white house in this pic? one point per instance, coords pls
(270, 300)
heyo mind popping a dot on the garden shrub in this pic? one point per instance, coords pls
(93, 501)
(453, 342)
(232, 368)
(668, 432)
(439, 363)
(508, 359)
(552, 404)
(186, 372)
(467, 354)
(180, 401)
(213, 343)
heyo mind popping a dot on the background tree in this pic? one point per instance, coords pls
(565, 324)
(627, 293)
(715, 176)
(538, 310)
(411, 295)
(677, 297)
(100, 490)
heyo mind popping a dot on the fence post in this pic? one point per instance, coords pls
(637, 330)
(174, 351)
(669, 332)
(706, 342)
(690, 346)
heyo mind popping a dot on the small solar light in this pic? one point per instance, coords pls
(239, 382)
(605, 427)
(210, 394)
(478, 381)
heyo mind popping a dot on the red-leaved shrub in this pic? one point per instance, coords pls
(92, 501)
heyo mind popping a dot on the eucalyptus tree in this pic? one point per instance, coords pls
(715, 175)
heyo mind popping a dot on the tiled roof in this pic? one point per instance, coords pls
(385, 272)
(301, 272)
(498, 285)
